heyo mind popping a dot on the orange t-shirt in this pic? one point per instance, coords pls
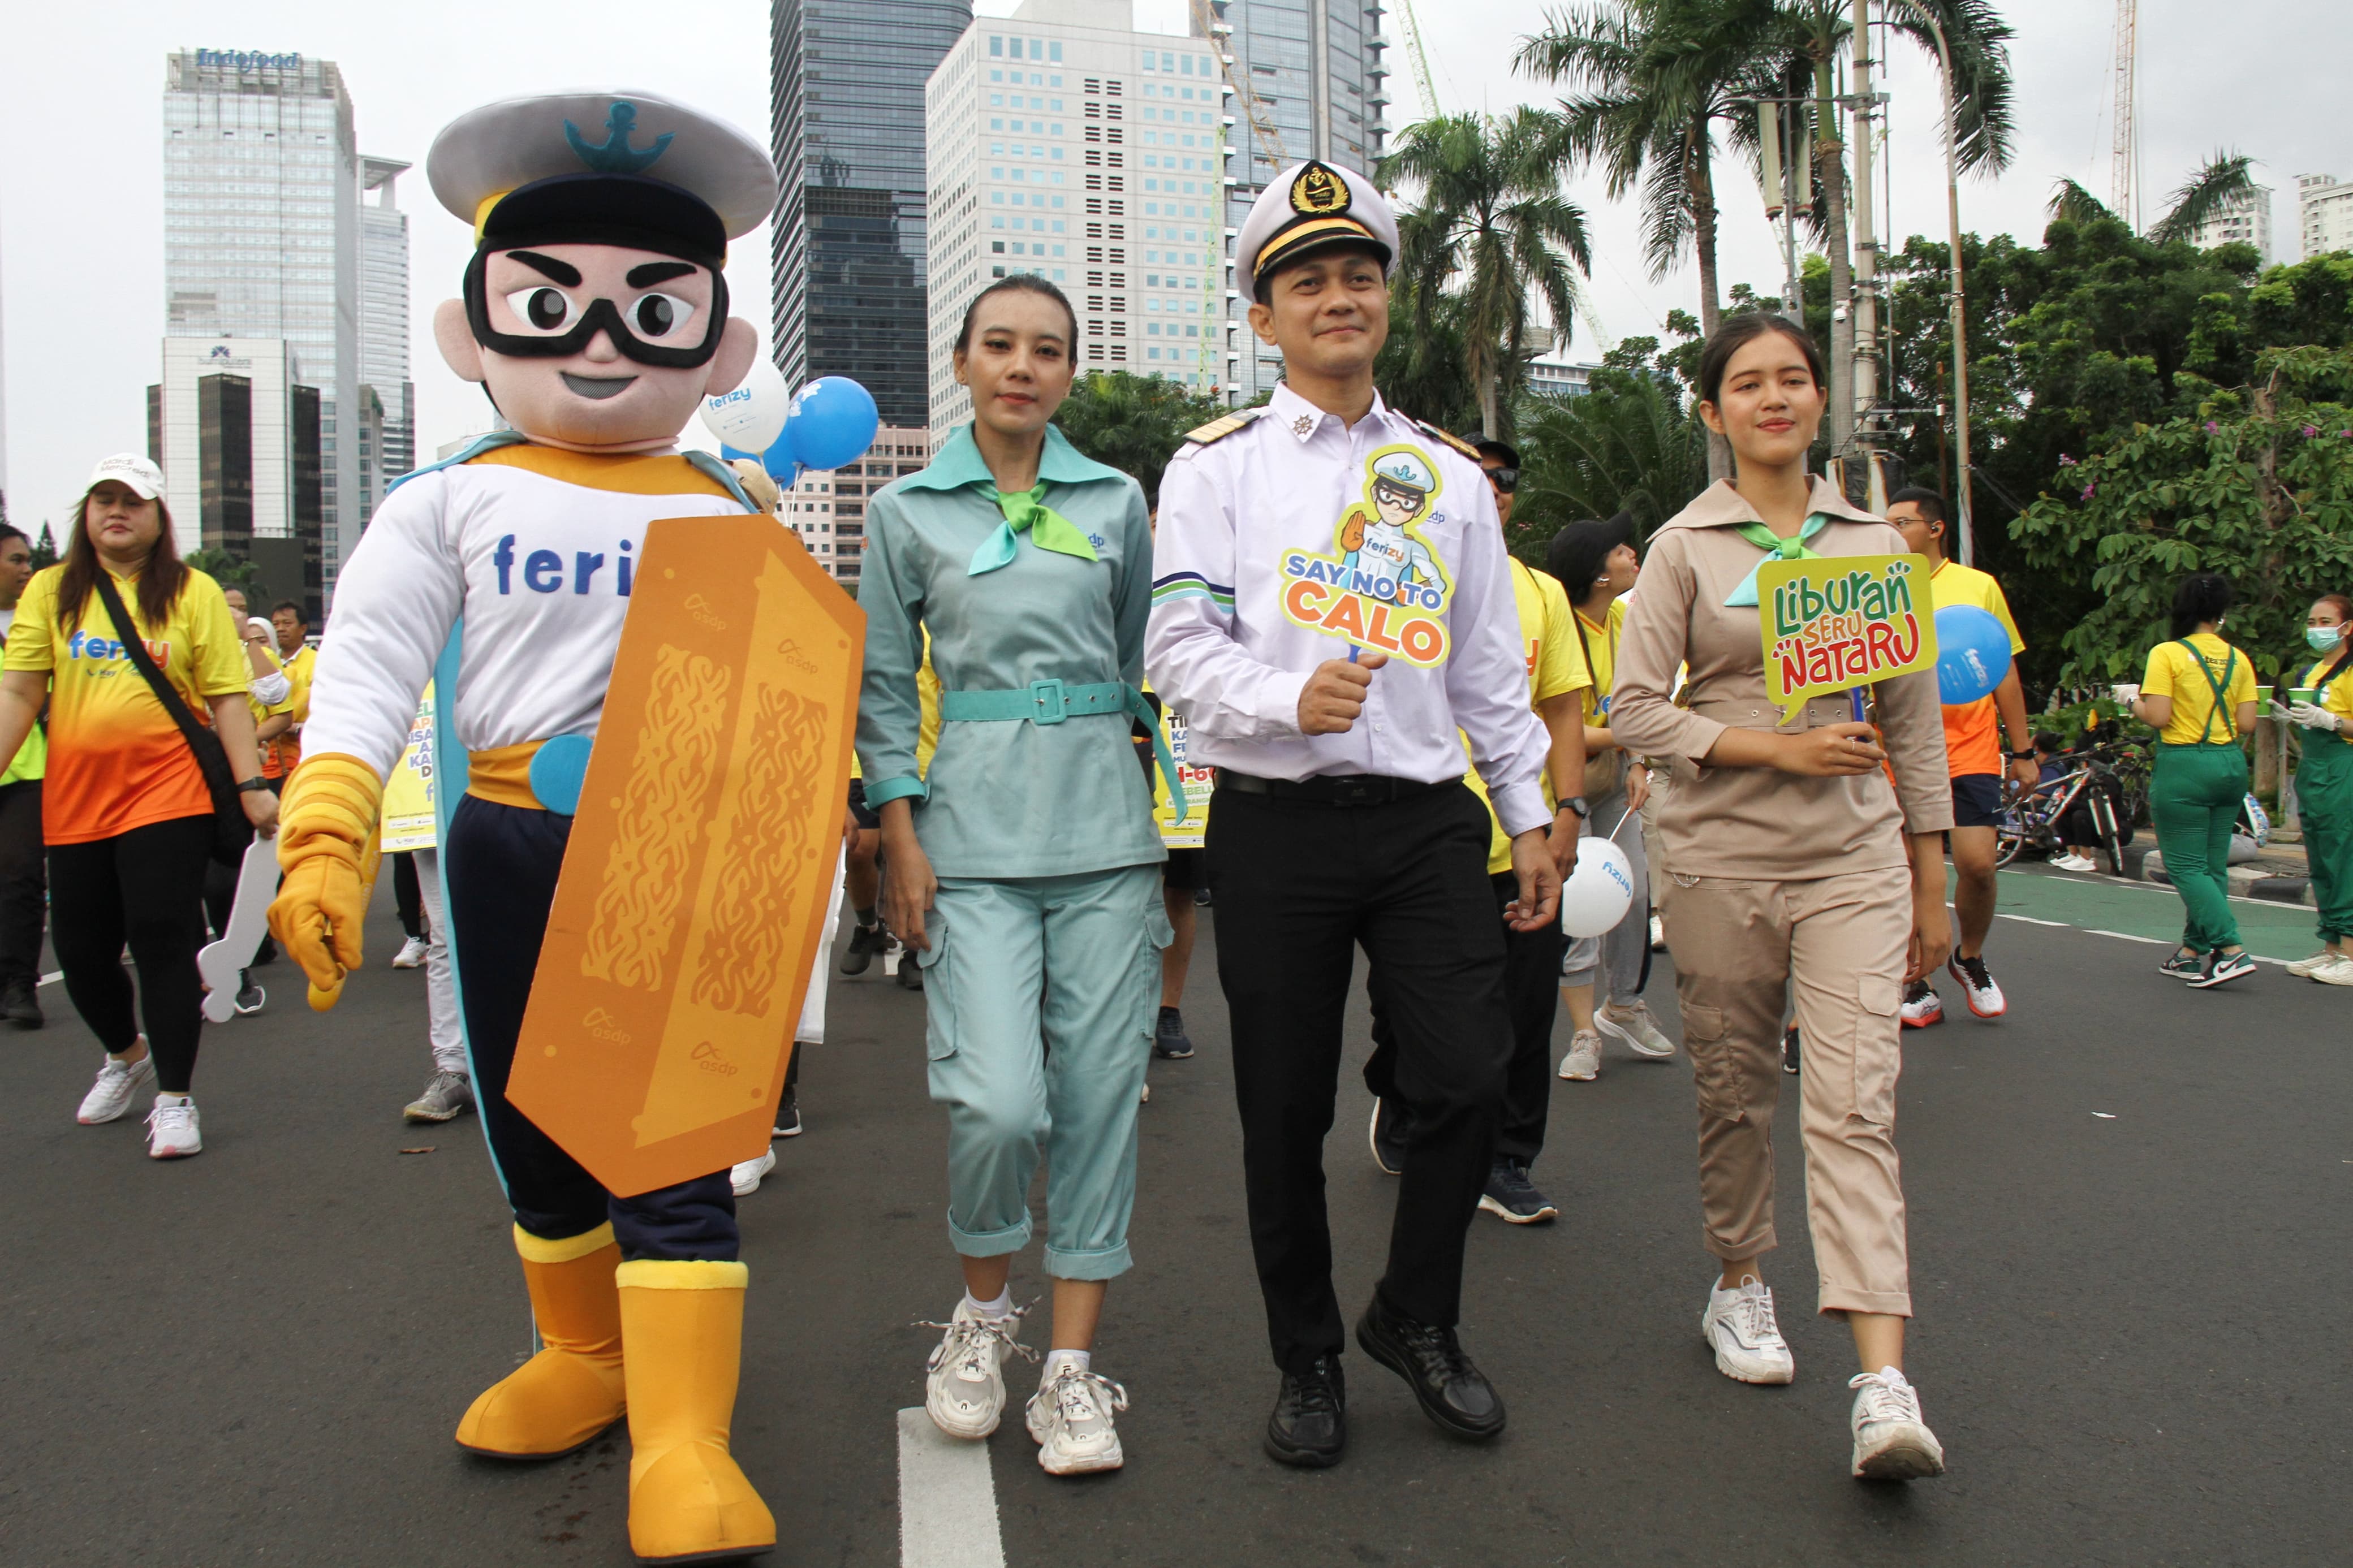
(1971, 743)
(116, 760)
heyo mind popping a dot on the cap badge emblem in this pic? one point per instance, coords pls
(1318, 191)
(615, 155)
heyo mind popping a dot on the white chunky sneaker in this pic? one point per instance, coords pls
(171, 1131)
(1739, 1326)
(110, 1096)
(411, 954)
(1891, 1442)
(1634, 1025)
(2338, 974)
(2071, 862)
(746, 1178)
(1583, 1061)
(1069, 1420)
(2305, 968)
(965, 1395)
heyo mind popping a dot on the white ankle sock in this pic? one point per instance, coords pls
(175, 1100)
(1055, 1361)
(1000, 1307)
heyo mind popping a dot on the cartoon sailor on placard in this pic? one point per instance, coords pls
(1377, 539)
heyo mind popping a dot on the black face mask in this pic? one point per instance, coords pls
(601, 315)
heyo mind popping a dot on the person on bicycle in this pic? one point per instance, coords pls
(1977, 760)
(2198, 693)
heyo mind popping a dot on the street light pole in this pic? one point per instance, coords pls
(1968, 530)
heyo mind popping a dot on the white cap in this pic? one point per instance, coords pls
(130, 468)
(1308, 207)
(1405, 468)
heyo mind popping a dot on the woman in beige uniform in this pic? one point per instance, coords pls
(1798, 869)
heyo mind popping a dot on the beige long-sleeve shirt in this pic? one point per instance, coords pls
(1760, 821)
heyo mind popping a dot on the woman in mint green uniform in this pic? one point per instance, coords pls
(1024, 867)
(2324, 784)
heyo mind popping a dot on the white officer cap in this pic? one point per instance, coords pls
(1405, 468)
(1308, 207)
(607, 166)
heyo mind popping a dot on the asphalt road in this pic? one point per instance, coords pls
(2130, 1333)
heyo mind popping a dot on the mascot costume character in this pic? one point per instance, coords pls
(595, 315)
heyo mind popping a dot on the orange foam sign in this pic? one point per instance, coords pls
(695, 890)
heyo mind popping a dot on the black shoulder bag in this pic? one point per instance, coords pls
(232, 833)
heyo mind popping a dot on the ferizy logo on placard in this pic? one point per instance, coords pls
(1382, 587)
(1833, 623)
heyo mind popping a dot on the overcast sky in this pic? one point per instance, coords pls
(81, 224)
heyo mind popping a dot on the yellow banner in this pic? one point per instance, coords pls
(1199, 783)
(1840, 623)
(408, 794)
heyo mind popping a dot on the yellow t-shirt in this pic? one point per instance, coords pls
(2173, 673)
(271, 767)
(1554, 667)
(287, 750)
(1600, 653)
(1972, 739)
(2336, 698)
(116, 760)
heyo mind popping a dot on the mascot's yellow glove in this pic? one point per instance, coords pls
(327, 847)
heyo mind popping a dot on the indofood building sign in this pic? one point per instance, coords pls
(247, 60)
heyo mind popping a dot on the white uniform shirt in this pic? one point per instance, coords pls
(1258, 577)
(537, 548)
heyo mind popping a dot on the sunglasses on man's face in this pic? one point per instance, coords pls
(1505, 480)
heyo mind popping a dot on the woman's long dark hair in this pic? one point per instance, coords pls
(1734, 332)
(2203, 596)
(159, 585)
(1018, 283)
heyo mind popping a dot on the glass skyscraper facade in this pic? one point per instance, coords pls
(383, 328)
(846, 105)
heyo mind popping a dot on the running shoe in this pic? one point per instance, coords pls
(446, 1095)
(411, 954)
(1583, 1062)
(746, 1178)
(1511, 1197)
(1070, 1420)
(20, 1003)
(2305, 968)
(250, 998)
(1891, 1442)
(1922, 1006)
(1388, 1135)
(110, 1096)
(2338, 974)
(2218, 966)
(1789, 1050)
(788, 1116)
(1634, 1025)
(1978, 989)
(171, 1131)
(2184, 965)
(911, 974)
(1658, 933)
(1168, 1037)
(865, 942)
(2071, 861)
(965, 1395)
(1738, 1326)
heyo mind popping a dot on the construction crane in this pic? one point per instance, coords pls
(1209, 16)
(2121, 176)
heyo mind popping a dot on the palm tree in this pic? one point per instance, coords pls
(1490, 229)
(1626, 445)
(2205, 195)
(1131, 423)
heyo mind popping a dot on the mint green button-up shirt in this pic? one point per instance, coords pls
(1007, 798)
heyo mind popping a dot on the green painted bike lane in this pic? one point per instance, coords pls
(2147, 912)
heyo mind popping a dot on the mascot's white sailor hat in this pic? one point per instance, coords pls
(1308, 207)
(609, 166)
(1405, 468)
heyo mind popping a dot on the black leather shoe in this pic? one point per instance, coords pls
(1309, 1427)
(1450, 1390)
(21, 1005)
(1388, 1136)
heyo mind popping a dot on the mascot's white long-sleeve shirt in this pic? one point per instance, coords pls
(537, 549)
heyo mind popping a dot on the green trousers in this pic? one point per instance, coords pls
(2323, 796)
(2194, 800)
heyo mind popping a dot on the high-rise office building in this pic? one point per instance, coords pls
(239, 441)
(2324, 210)
(1064, 143)
(2242, 220)
(262, 237)
(846, 104)
(383, 328)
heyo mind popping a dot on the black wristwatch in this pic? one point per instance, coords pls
(2025, 756)
(1575, 803)
(257, 784)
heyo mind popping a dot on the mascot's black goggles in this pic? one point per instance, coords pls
(635, 338)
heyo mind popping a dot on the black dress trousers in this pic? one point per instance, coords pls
(1299, 886)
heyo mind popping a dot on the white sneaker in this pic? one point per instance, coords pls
(1658, 933)
(1635, 1027)
(2338, 974)
(2071, 861)
(1069, 1420)
(1748, 1345)
(110, 1096)
(171, 1131)
(1977, 987)
(411, 954)
(2305, 968)
(1583, 1062)
(965, 1395)
(745, 1178)
(1891, 1442)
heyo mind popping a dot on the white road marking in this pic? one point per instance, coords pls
(2128, 936)
(2030, 919)
(52, 977)
(947, 1500)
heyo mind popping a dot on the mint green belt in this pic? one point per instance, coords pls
(1052, 701)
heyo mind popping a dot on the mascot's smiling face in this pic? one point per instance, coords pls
(594, 348)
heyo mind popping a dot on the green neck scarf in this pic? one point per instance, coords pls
(1027, 511)
(1776, 548)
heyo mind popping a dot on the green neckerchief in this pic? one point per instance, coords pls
(1027, 511)
(1776, 548)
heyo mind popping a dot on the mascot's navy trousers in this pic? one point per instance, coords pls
(500, 873)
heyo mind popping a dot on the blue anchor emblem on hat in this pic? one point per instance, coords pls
(615, 156)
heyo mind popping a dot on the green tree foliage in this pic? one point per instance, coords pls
(1133, 423)
(1629, 443)
(44, 548)
(1424, 372)
(224, 568)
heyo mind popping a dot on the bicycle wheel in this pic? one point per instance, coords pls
(2103, 820)
(2009, 838)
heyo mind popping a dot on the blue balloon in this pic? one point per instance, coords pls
(832, 423)
(779, 461)
(1972, 653)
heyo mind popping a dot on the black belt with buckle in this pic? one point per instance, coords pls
(1331, 789)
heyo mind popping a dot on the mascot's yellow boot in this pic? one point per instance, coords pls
(682, 1326)
(561, 1399)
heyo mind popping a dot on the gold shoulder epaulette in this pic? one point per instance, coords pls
(1457, 442)
(1219, 429)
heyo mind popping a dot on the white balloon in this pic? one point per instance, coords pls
(751, 417)
(1599, 891)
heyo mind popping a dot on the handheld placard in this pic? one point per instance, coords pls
(219, 963)
(1838, 623)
